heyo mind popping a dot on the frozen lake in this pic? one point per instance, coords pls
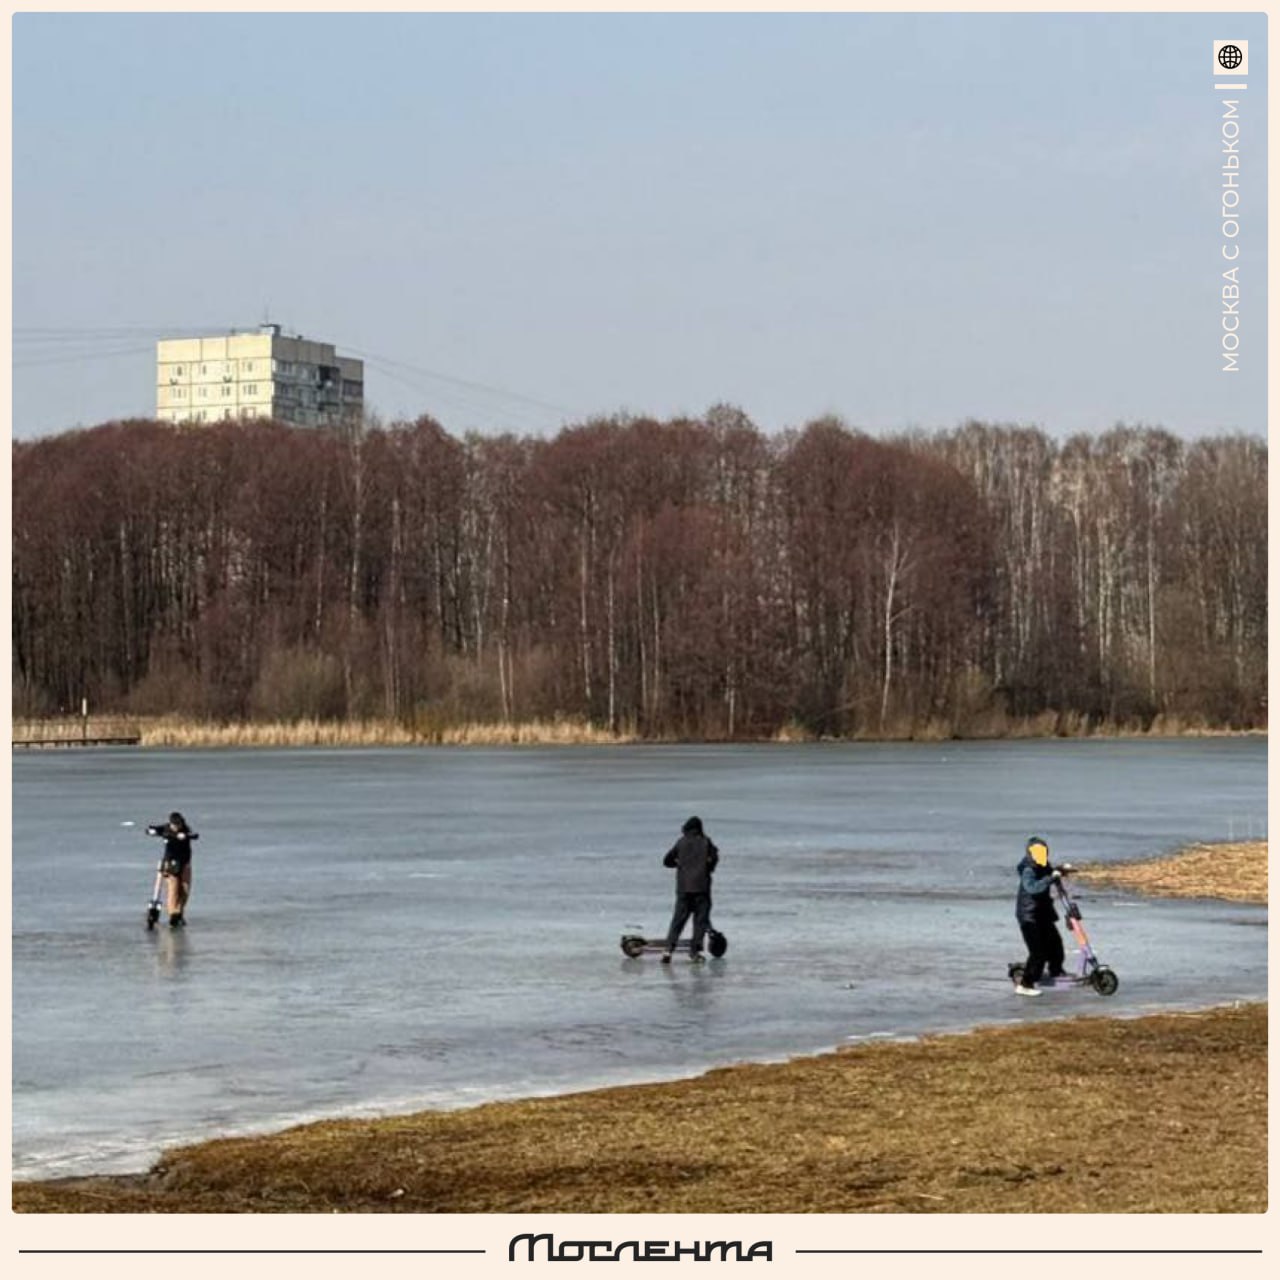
(385, 930)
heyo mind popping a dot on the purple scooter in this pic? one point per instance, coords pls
(1091, 972)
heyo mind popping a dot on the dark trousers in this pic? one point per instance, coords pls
(697, 905)
(1044, 947)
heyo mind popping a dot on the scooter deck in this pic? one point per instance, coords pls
(1097, 977)
(634, 945)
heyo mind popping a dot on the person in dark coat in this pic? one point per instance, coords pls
(1037, 917)
(175, 867)
(694, 858)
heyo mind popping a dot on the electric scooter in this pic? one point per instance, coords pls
(1091, 973)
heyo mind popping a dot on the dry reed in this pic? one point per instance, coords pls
(1234, 870)
(171, 732)
(178, 731)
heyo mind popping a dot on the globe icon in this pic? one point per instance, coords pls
(1230, 56)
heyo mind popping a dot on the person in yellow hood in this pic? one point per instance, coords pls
(1037, 917)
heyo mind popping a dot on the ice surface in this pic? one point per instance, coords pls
(383, 930)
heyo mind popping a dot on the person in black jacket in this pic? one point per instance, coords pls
(1037, 917)
(694, 858)
(175, 867)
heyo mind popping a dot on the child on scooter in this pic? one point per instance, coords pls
(1037, 917)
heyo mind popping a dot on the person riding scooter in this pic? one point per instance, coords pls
(175, 867)
(694, 858)
(1037, 917)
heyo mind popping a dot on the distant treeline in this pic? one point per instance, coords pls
(686, 578)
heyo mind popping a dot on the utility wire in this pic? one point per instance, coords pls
(36, 333)
(477, 408)
(38, 345)
(487, 388)
(78, 356)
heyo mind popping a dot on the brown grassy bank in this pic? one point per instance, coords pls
(1158, 1114)
(1235, 870)
(374, 733)
(572, 731)
(177, 731)
(994, 724)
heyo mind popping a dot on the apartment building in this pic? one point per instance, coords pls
(257, 375)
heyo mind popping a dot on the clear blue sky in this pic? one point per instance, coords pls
(522, 220)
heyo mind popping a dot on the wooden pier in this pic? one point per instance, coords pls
(75, 732)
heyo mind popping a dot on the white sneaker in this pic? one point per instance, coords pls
(1026, 991)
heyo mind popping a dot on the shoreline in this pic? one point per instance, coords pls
(821, 1133)
(172, 732)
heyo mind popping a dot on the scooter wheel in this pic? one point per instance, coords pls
(152, 916)
(632, 946)
(1015, 974)
(717, 944)
(1105, 982)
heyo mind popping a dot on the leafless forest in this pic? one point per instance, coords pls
(691, 578)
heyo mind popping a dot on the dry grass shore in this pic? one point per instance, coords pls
(1234, 870)
(374, 733)
(1091, 1115)
(176, 731)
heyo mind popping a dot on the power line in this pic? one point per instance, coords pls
(78, 356)
(36, 333)
(487, 388)
(40, 345)
(516, 416)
